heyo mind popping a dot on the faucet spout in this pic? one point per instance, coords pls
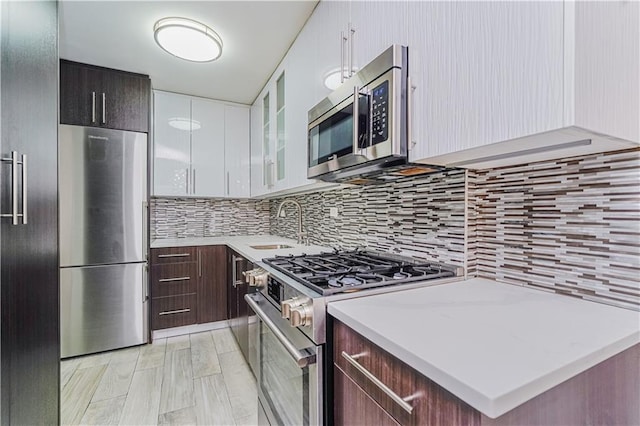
(301, 234)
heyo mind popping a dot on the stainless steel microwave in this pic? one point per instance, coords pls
(362, 127)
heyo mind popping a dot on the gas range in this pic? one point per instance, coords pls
(355, 270)
(300, 287)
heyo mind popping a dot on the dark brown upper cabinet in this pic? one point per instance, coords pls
(102, 97)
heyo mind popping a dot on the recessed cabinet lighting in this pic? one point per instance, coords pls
(188, 39)
(182, 123)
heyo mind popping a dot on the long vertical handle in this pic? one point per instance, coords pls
(14, 187)
(24, 189)
(352, 31)
(145, 229)
(199, 263)
(93, 107)
(342, 40)
(228, 183)
(193, 178)
(410, 142)
(356, 113)
(104, 109)
(234, 273)
(186, 179)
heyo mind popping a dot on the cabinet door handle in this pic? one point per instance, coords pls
(193, 178)
(14, 215)
(410, 142)
(402, 402)
(104, 109)
(175, 255)
(177, 311)
(352, 31)
(199, 263)
(93, 107)
(341, 57)
(169, 280)
(228, 183)
(24, 189)
(186, 179)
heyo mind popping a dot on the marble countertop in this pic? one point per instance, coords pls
(493, 345)
(242, 245)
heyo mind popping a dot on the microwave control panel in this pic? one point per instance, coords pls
(379, 113)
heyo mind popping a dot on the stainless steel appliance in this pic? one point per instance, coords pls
(362, 129)
(291, 310)
(103, 239)
(237, 306)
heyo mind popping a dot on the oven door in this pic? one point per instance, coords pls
(289, 372)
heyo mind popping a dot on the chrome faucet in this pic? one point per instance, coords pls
(302, 236)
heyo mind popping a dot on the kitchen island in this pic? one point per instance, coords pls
(496, 347)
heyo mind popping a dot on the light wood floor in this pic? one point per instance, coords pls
(194, 379)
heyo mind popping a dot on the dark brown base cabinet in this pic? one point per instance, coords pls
(605, 394)
(238, 309)
(188, 286)
(103, 97)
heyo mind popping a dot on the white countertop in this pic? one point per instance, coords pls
(242, 244)
(493, 345)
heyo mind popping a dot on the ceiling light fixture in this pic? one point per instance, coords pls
(187, 39)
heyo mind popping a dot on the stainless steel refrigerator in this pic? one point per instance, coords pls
(103, 239)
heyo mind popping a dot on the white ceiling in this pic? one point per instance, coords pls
(119, 34)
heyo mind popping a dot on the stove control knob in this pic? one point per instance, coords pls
(287, 305)
(301, 315)
(258, 278)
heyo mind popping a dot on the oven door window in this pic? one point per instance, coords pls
(284, 385)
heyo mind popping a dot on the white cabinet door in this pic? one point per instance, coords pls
(485, 72)
(258, 186)
(236, 152)
(207, 148)
(329, 20)
(171, 144)
(377, 25)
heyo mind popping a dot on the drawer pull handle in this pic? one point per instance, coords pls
(177, 311)
(175, 255)
(167, 280)
(402, 402)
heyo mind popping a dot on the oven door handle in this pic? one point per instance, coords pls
(302, 358)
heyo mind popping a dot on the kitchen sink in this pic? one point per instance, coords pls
(271, 246)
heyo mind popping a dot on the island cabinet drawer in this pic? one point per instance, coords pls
(173, 311)
(173, 279)
(402, 392)
(174, 255)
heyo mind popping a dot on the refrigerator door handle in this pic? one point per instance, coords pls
(145, 229)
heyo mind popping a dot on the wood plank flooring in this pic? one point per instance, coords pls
(197, 379)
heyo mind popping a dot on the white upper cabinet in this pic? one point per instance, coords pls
(207, 148)
(236, 152)
(196, 141)
(375, 26)
(500, 83)
(171, 144)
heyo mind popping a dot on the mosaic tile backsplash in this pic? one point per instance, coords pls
(421, 217)
(195, 217)
(571, 226)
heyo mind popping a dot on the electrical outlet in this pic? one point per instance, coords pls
(333, 212)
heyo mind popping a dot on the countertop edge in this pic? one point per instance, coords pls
(492, 407)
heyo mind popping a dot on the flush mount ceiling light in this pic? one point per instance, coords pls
(182, 123)
(332, 79)
(188, 39)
